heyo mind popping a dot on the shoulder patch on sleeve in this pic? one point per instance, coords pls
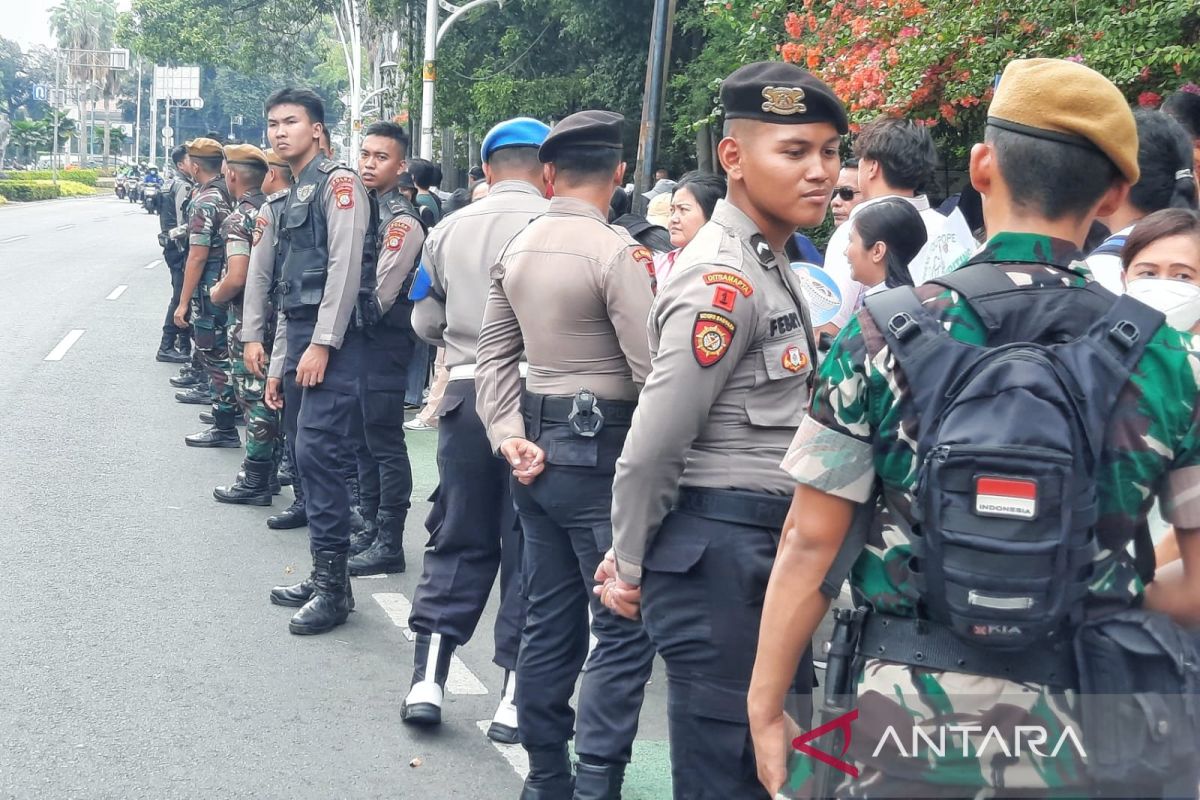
(260, 225)
(422, 286)
(730, 279)
(646, 258)
(711, 336)
(393, 238)
(343, 192)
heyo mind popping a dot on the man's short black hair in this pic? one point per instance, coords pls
(210, 164)
(904, 150)
(1164, 152)
(524, 159)
(178, 154)
(476, 172)
(252, 175)
(424, 173)
(586, 164)
(392, 131)
(1055, 179)
(310, 100)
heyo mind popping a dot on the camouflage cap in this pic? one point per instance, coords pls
(1064, 101)
(207, 148)
(246, 154)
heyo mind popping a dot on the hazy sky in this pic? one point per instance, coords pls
(28, 21)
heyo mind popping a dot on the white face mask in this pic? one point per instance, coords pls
(1179, 300)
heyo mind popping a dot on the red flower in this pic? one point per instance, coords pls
(793, 26)
(1149, 99)
(1145, 73)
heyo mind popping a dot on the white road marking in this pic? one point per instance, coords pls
(460, 679)
(12, 239)
(62, 347)
(514, 754)
(117, 292)
(152, 264)
(66, 227)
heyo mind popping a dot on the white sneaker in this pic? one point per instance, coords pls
(418, 424)
(504, 722)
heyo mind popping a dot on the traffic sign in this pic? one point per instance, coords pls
(40, 92)
(168, 132)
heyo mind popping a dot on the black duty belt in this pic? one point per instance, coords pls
(558, 409)
(739, 507)
(921, 643)
(305, 313)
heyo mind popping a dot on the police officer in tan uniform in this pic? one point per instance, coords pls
(572, 294)
(472, 525)
(699, 499)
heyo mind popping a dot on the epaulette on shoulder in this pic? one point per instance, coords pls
(281, 194)
(330, 165)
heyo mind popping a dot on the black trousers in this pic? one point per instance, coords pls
(175, 263)
(473, 533)
(384, 471)
(565, 518)
(324, 424)
(703, 585)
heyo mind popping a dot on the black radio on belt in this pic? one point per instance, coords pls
(585, 418)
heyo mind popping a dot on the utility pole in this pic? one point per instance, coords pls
(656, 78)
(433, 37)
(137, 126)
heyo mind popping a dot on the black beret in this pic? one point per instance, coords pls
(779, 92)
(584, 129)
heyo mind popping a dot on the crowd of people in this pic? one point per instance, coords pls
(682, 432)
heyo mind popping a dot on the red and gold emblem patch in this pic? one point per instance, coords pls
(396, 231)
(343, 192)
(260, 226)
(724, 298)
(643, 255)
(730, 279)
(711, 337)
(794, 359)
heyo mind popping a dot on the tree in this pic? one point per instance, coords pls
(88, 25)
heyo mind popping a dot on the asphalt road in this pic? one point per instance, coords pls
(139, 657)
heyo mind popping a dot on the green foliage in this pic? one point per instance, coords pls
(26, 190)
(87, 177)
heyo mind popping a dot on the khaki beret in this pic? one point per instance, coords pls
(246, 154)
(1067, 102)
(205, 147)
(274, 160)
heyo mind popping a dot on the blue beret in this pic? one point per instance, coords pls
(519, 132)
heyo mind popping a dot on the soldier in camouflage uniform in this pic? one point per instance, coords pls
(859, 446)
(246, 168)
(209, 208)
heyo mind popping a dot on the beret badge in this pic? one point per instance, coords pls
(783, 100)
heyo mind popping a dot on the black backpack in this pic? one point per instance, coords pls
(1009, 438)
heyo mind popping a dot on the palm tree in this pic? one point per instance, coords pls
(88, 25)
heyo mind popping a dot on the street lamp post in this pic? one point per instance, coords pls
(433, 37)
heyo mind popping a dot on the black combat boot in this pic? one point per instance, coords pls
(198, 395)
(252, 489)
(167, 352)
(386, 553)
(294, 516)
(223, 433)
(598, 781)
(423, 704)
(330, 603)
(187, 378)
(207, 418)
(183, 343)
(549, 775)
(296, 595)
(286, 474)
(361, 541)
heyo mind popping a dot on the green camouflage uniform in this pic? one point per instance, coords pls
(207, 214)
(262, 423)
(861, 433)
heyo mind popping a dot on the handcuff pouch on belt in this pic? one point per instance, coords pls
(585, 419)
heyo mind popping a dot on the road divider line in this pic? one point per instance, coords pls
(117, 292)
(514, 754)
(12, 239)
(62, 347)
(152, 264)
(460, 679)
(66, 227)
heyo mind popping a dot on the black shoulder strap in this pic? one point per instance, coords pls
(976, 281)
(329, 165)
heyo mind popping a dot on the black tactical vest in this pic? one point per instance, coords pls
(304, 242)
(391, 206)
(277, 201)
